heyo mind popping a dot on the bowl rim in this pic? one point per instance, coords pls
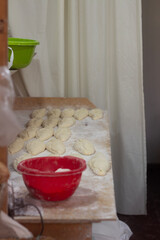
(34, 172)
(22, 42)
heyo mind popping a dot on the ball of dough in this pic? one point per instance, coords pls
(63, 134)
(16, 146)
(96, 113)
(35, 147)
(55, 112)
(51, 121)
(66, 122)
(68, 112)
(19, 159)
(55, 146)
(62, 170)
(38, 113)
(28, 133)
(84, 146)
(81, 113)
(44, 133)
(99, 164)
(35, 122)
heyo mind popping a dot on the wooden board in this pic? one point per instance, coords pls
(3, 62)
(62, 231)
(3, 32)
(34, 102)
(88, 204)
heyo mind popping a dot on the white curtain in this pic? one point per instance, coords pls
(93, 49)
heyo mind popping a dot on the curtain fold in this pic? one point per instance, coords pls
(93, 49)
(128, 141)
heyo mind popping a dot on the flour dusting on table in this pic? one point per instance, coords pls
(93, 193)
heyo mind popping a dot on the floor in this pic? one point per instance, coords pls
(147, 227)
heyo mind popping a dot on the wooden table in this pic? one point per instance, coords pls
(76, 219)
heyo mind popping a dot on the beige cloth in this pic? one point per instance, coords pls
(12, 229)
(9, 124)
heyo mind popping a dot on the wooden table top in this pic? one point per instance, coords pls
(94, 199)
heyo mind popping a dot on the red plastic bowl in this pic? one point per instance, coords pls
(44, 183)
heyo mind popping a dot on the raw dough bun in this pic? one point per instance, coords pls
(35, 147)
(55, 112)
(81, 113)
(66, 122)
(28, 133)
(84, 146)
(96, 113)
(63, 134)
(51, 121)
(4, 173)
(44, 133)
(35, 122)
(19, 159)
(38, 113)
(68, 112)
(16, 146)
(99, 164)
(55, 146)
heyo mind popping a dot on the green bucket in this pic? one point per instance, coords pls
(22, 51)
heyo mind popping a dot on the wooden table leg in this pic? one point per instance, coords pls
(3, 32)
(3, 159)
(62, 231)
(3, 155)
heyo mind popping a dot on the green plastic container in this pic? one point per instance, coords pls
(23, 51)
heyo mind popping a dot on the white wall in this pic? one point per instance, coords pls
(151, 61)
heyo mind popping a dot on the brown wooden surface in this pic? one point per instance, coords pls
(3, 155)
(97, 203)
(5, 201)
(3, 62)
(67, 228)
(3, 158)
(61, 231)
(35, 102)
(3, 32)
